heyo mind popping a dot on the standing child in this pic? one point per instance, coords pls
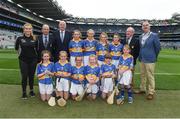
(125, 75)
(76, 47)
(102, 48)
(77, 79)
(62, 72)
(45, 71)
(108, 71)
(92, 72)
(115, 49)
(89, 46)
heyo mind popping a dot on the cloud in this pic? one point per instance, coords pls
(130, 9)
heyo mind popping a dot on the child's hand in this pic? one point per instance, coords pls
(48, 72)
(92, 81)
(121, 72)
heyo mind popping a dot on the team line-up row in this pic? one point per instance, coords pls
(113, 60)
(93, 76)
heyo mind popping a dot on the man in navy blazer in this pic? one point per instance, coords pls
(45, 42)
(61, 40)
(149, 50)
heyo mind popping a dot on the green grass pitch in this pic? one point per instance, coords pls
(166, 103)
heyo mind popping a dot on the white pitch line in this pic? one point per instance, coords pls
(9, 69)
(167, 74)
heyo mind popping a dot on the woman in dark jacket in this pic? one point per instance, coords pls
(26, 46)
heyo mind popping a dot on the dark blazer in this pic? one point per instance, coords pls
(134, 45)
(59, 45)
(150, 50)
(41, 46)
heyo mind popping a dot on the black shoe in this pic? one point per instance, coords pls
(24, 96)
(32, 94)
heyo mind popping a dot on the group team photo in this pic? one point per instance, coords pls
(69, 67)
(89, 59)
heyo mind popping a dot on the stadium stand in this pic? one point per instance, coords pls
(14, 13)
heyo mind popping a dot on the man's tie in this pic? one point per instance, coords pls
(45, 41)
(127, 41)
(62, 37)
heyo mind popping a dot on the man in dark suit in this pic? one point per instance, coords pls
(61, 40)
(45, 42)
(134, 45)
(132, 42)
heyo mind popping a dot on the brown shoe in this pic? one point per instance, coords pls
(150, 97)
(138, 92)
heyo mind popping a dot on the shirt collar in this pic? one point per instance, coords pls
(45, 35)
(45, 65)
(93, 66)
(128, 56)
(116, 44)
(76, 40)
(63, 63)
(80, 66)
(108, 64)
(62, 31)
(90, 40)
(147, 34)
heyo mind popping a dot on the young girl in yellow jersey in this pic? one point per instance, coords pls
(62, 72)
(92, 73)
(125, 75)
(76, 47)
(102, 48)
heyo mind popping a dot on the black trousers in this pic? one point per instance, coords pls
(27, 70)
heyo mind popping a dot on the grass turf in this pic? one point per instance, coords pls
(166, 103)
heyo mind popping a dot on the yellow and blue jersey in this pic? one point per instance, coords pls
(77, 71)
(59, 67)
(108, 68)
(126, 63)
(101, 51)
(76, 48)
(115, 50)
(42, 68)
(90, 47)
(93, 71)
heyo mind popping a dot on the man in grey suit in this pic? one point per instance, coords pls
(149, 50)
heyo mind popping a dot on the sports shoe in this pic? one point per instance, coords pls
(130, 100)
(32, 94)
(120, 100)
(24, 96)
(138, 92)
(149, 97)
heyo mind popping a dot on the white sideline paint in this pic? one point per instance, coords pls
(167, 74)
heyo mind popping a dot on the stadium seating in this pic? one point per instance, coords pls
(14, 16)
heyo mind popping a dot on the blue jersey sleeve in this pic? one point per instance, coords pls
(85, 70)
(52, 68)
(132, 64)
(70, 45)
(102, 69)
(120, 60)
(69, 67)
(98, 72)
(39, 69)
(114, 67)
